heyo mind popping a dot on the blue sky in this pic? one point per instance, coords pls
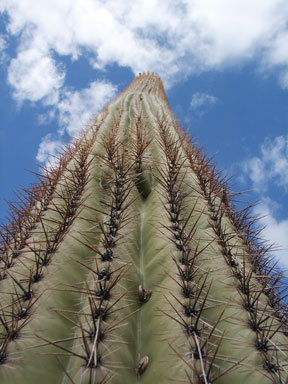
(224, 64)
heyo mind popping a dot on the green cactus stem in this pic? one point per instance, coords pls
(128, 263)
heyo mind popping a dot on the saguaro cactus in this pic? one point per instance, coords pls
(127, 263)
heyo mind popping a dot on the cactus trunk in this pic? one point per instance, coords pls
(128, 263)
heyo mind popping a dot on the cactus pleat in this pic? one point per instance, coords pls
(128, 263)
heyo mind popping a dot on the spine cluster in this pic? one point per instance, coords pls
(131, 208)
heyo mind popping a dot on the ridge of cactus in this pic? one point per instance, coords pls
(129, 262)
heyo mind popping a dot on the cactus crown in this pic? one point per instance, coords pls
(128, 262)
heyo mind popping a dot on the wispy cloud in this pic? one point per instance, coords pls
(201, 102)
(270, 167)
(3, 43)
(3, 46)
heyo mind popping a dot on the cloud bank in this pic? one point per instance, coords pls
(172, 38)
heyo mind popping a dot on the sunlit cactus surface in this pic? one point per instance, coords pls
(128, 263)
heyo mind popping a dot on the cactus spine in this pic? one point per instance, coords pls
(127, 263)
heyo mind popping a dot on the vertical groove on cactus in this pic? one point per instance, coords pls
(128, 263)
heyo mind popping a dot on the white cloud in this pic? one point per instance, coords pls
(270, 167)
(34, 76)
(3, 46)
(74, 111)
(202, 101)
(49, 150)
(172, 38)
(275, 231)
(3, 43)
(77, 108)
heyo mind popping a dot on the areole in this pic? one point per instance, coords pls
(128, 263)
